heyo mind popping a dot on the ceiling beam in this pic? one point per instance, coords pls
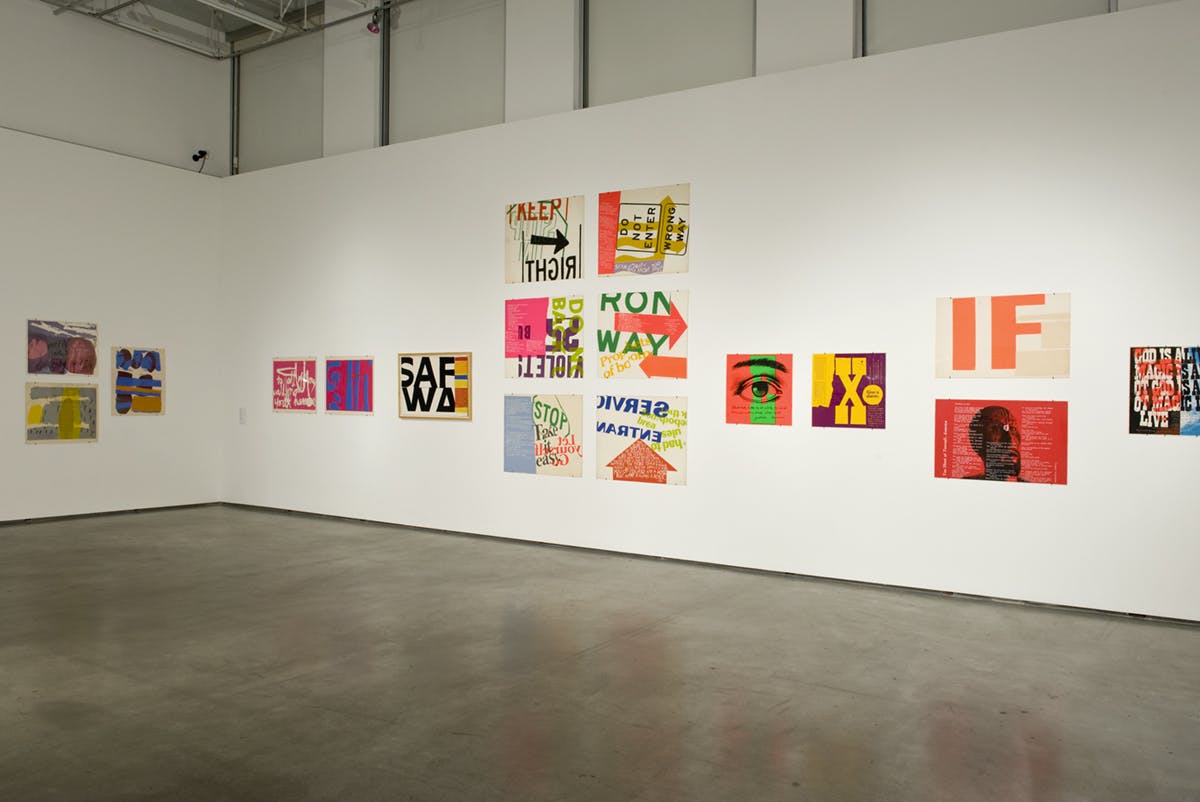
(68, 6)
(295, 18)
(244, 13)
(117, 7)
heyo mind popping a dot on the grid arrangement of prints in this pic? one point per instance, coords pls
(643, 334)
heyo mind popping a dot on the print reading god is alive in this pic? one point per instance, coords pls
(643, 334)
(641, 439)
(542, 338)
(1164, 390)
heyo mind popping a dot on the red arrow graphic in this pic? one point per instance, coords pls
(669, 367)
(672, 324)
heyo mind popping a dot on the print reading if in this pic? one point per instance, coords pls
(1014, 335)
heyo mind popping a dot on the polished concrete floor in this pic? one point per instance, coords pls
(218, 653)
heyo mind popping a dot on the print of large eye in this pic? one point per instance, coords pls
(762, 388)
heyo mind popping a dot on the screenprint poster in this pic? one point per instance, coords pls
(644, 231)
(643, 334)
(350, 385)
(138, 381)
(543, 434)
(1010, 336)
(543, 240)
(1164, 390)
(1003, 441)
(758, 389)
(60, 413)
(61, 348)
(543, 338)
(294, 384)
(436, 385)
(849, 391)
(641, 439)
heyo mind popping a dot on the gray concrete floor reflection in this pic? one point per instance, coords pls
(218, 653)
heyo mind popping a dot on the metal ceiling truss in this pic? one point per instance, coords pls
(221, 29)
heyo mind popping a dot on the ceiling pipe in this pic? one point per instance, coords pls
(385, 74)
(162, 37)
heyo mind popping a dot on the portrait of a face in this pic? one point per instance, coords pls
(995, 437)
(81, 356)
(758, 389)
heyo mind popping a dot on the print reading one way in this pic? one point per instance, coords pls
(646, 326)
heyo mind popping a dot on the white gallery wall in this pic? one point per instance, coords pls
(831, 206)
(132, 246)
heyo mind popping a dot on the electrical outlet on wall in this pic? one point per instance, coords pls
(242, 415)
